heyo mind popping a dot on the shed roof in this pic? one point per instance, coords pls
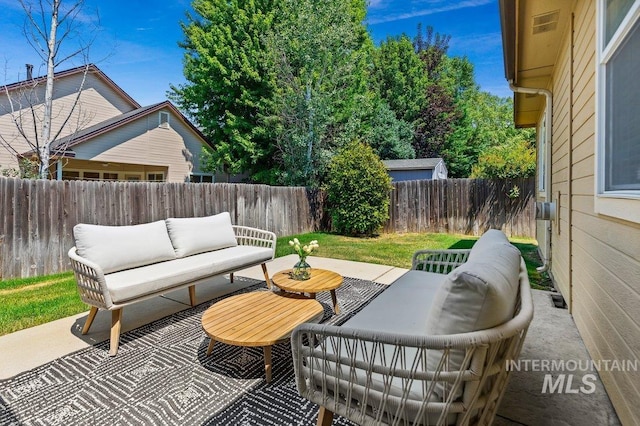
(413, 164)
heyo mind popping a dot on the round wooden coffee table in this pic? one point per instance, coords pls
(320, 280)
(261, 318)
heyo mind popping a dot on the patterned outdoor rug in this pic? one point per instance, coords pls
(162, 376)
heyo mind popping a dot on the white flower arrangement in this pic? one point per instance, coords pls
(303, 250)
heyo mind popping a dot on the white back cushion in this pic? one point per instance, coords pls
(200, 234)
(115, 248)
(478, 295)
(490, 237)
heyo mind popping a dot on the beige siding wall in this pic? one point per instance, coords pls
(559, 191)
(595, 263)
(97, 102)
(144, 142)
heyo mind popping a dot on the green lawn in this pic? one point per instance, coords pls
(396, 249)
(32, 301)
(37, 300)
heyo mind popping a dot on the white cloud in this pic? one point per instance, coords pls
(419, 9)
(479, 43)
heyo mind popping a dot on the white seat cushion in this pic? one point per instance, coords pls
(238, 257)
(133, 283)
(195, 235)
(115, 248)
(401, 308)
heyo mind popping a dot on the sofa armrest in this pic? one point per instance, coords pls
(247, 236)
(439, 261)
(90, 280)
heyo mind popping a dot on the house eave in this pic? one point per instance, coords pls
(530, 51)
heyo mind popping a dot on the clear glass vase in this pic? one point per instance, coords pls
(301, 270)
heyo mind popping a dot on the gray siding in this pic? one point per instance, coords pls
(402, 175)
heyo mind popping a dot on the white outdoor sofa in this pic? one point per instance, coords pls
(431, 349)
(116, 266)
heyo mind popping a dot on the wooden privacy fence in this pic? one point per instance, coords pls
(463, 206)
(38, 215)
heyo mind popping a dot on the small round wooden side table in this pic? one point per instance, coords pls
(320, 280)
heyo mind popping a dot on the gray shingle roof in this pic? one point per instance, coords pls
(90, 132)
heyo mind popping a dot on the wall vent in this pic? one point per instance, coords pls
(546, 22)
(558, 301)
(163, 120)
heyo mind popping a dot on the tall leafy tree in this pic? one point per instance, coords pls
(400, 77)
(435, 120)
(462, 145)
(375, 124)
(319, 51)
(512, 159)
(280, 86)
(229, 80)
(485, 121)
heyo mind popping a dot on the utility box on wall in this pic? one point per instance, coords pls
(545, 210)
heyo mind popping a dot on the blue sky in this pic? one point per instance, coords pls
(137, 41)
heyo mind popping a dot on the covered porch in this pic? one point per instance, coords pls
(65, 168)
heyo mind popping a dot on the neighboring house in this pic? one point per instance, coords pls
(417, 169)
(109, 136)
(573, 67)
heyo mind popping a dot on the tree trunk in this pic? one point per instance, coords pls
(310, 135)
(45, 149)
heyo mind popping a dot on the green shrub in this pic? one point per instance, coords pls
(358, 190)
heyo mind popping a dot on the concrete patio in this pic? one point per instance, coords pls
(532, 397)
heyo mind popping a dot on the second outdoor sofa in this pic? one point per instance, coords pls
(116, 266)
(433, 348)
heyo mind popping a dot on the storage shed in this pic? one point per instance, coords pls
(416, 169)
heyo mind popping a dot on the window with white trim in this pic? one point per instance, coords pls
(201, 178)
(109, 176)
(155, 177)
(618, 109)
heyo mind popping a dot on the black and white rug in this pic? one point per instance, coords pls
(162, 376)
